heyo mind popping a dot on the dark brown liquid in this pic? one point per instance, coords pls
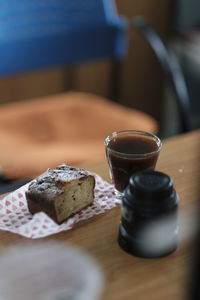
(122, 168)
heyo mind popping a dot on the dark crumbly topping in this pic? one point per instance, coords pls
(52, 181)
(62, 173)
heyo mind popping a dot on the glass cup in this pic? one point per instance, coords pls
(128, 152)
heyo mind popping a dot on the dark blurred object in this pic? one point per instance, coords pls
(193, 292)
(172, 69)
(193, 288)
(9, 185)
(38, 35)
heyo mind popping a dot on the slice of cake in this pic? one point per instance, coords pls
(61, 192)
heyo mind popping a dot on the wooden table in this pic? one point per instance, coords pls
(129, 277)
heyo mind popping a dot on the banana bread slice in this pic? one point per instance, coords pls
(61, 192)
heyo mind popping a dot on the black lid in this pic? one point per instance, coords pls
(151, 188)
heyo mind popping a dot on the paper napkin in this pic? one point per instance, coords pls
(15, 217)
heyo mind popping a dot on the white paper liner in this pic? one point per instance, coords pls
(15, 217)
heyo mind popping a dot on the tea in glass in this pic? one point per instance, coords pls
(128, 152)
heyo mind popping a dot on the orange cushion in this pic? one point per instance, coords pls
(69, 127)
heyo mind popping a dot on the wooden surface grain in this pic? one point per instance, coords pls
(129, 277)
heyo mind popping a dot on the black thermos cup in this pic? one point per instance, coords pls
(149, 218)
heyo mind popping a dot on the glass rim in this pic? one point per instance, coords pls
(134, 132)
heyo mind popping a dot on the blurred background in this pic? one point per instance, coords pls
(135, 65)
(142, 82)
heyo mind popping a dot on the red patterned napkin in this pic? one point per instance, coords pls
(15, 217)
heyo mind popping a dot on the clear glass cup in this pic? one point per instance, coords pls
(128, 152)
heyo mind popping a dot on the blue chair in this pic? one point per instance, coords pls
(41, 34)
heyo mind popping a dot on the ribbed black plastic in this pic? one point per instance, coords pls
(149, 199)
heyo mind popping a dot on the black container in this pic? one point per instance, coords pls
(149, 225)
